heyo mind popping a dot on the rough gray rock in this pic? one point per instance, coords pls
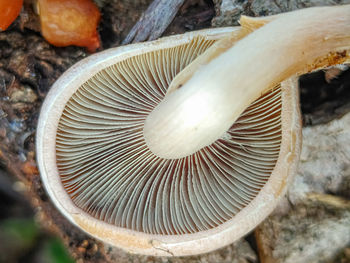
(315, 230)
(324, 162)
(228, 12)
(312, 225)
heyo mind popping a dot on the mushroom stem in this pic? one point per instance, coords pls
(204, 107)
(248, 25)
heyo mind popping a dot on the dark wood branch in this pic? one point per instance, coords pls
(154, 21)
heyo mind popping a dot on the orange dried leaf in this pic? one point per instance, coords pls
(9, 10)
(70, 22)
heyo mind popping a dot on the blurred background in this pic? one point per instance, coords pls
(21, 237)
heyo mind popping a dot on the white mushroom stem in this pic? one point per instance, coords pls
(219, 47)
(205, 106)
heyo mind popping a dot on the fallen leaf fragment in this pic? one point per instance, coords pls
(9, 10)
(70, 22)
(30, 168)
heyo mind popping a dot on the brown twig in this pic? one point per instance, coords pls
(154, 21)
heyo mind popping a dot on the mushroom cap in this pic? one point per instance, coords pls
(98, 171)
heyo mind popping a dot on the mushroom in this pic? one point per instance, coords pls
(102, 121)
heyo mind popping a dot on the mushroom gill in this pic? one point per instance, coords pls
(109, 172)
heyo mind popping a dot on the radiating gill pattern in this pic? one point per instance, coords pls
(108, 171)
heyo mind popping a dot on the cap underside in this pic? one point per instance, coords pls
(108, 171)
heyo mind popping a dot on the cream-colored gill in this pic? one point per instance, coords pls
(200, 111)
(108, 172)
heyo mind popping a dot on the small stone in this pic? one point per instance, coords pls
(39, 217)
(94, 248)
(82, 250)
(22, 64)
(85, 243)
(19, 186)
(24, 94)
